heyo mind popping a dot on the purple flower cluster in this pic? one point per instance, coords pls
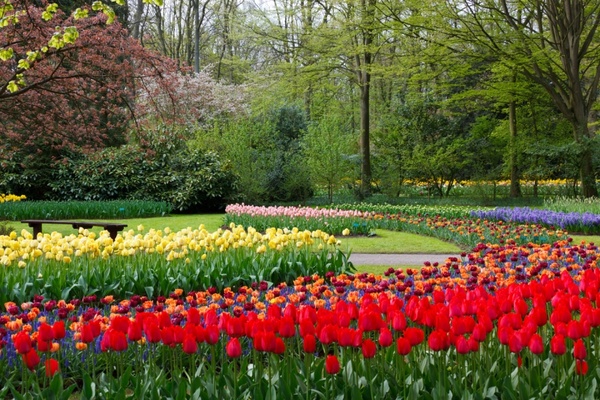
(576, 222)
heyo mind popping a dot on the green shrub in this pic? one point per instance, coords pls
(16, 211)
(162, 168)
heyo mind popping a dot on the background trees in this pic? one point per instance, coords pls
(303, 95)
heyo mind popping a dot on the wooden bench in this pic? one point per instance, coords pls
(111, 227)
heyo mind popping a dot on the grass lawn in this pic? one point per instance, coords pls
(175, 222)
(588, 239)
(380, 269)
(389, 242)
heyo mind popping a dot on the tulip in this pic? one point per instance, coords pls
(279, 346)
(462, 345)
(437, 340)
(212, 334)
(45, 332)
(120, 323)
(134, 332)
(579, 351)
(309, 343)
(152, 332)
(536, 344)
(189, 345)
(52, 367)
(368, 348)
(398, 321)
(233, 348)
(332, 365)
(287, 329)
(581, 367)
(403, 346)
(514, 343)
(87, 334)
(117, 340)
(385, 337)
(31, 359)
(58, 330)
(414, 335)
(22, 342)
(193, 316)
(43, 345)
(557, 345)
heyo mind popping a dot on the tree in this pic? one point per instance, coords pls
(328, 146)
(76, 97)
(552, 43)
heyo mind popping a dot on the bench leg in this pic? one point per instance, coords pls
(112, 230)
(37, 228)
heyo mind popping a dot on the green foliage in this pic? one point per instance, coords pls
(266, 153)
(82, 209)
(5, 229)
(328, 145)
(577, 204)
(161, 169)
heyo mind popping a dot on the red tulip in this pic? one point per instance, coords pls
(414, 335)
(200, 333)
(557, 345)
(574, 330)
(370, 321)
(22, 342)
(43, 345)
(287, 328)
(134, 332)
(152, 332)
(403, 346)
(31, 359)
(279, 346)
(45, 332)
(479, 333)
(329, 334)
(52, 367)
(212, 334)
(235, 327)
(167, 337)
(368, 348)
(307, 327)
(178, 334)
(473, 345)
(193, 316)
(398, 321)
(514, 343)
(189, 345)
(290, 311)
(385, 337)
(96, 328)
(332, 365)
(87, 334)
(309, 344)
(118, 340)
(58, 330)
(120, 323)
(233, 348)
(536, 344)
(579, 351)
(437, 340)
(462, 345)
(164, 320)
(581, 367)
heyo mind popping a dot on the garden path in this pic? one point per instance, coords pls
(398, 259)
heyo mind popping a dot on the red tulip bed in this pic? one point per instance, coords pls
(511, 321)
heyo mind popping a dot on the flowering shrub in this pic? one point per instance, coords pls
(346, 335)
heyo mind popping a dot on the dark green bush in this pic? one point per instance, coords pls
(161, 168)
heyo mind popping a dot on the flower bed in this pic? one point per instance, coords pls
(332, 221)
(505, 321)
(155, 262)
(586, 223)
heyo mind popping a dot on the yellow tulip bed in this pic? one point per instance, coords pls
(155, 261)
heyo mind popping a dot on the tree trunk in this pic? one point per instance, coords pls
(365, 170)
(588, 179)
(515, 185)
(137, 19)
